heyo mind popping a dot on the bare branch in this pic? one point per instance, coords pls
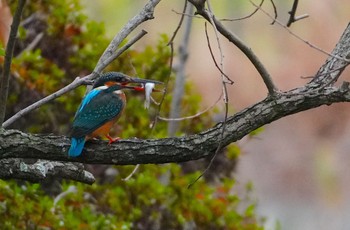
(298, 37)
(241, 45)
(145, 14)
(171, 41)
(228, 79)
(192, 116)
(5, 78)
(77, 82)
(132, 173)
(274, 11)
(188, 15)
(292, 13)
(245, 17)
(16, 144)
(104, 63)
(224, 90)
(108, 56)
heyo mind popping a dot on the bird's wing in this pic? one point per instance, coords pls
(92, 114)
(93, 93)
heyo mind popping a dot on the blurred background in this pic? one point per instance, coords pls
(299, 165)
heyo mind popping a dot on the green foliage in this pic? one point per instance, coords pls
(2, 51)
(155, 196)
(256, 132)
(34, 71)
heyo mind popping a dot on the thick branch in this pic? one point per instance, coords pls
(42, 170)
(331, 70)
(15, 144)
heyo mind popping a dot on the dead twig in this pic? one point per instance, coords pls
(244, 17)
(292, 13)
(298, 37)
(224, 91)
(192, 116)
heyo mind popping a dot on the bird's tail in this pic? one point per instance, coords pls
(77, 145)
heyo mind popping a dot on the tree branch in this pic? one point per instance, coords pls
(42, 170)
(16, 144)
(107, 57)
(272, 89)
(145, 14)
(5, 79)
(292, 12)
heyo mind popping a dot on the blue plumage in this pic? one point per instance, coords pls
(93, 93)
(77, 145)
(100, 108)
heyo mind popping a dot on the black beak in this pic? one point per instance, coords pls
(144, 81)
(122, 79)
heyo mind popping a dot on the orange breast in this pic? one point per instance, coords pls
(104, 129)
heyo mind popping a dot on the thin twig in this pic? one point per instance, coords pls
(86, 80)
(292, 13)
(132, 173)
(5, 78)
(225, 95)
(326, 73)
(272, 89)
(179, 24)
(298, 37)
(188, 15)
(33, 44)
(229, 81)
(154, 123)
(274, 11)
(192, 116)
(71, 189)
(105, 63)
(77, 82)
(145, 14)
(244, 17)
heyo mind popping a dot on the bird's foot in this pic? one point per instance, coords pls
(112, 140)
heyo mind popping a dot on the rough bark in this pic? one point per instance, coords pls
(38, 170)
(16, 144)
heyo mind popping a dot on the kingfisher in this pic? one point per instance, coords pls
(101, 108)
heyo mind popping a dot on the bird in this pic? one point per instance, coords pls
(101, 108)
